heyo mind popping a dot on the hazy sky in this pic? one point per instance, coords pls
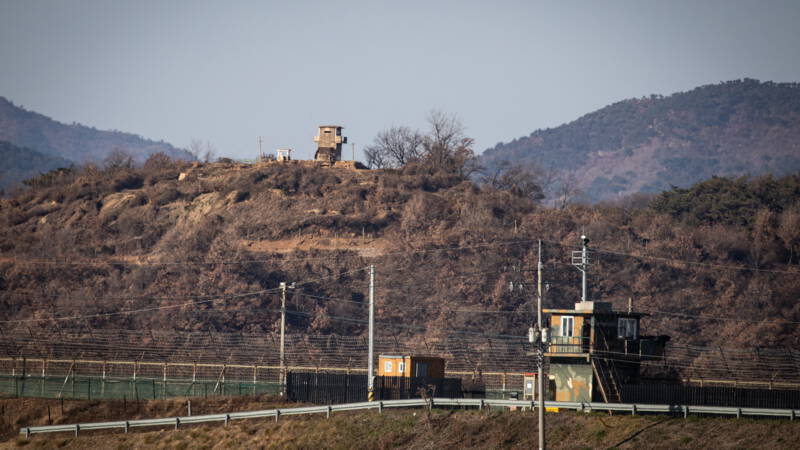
(230, 71)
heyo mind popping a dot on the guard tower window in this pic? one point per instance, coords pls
(626, 328)
(567, 325)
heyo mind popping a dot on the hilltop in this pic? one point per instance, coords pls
(50, 143)
(99, 242)
(648, 145)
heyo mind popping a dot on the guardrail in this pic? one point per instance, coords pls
(631, 408)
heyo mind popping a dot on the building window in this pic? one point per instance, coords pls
(422, 369)
(626, 328)
(567, 326)
(401, 367)
(387, 366)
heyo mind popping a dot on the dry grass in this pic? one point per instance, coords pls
(442, 430)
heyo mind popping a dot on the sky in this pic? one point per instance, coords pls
(227, 72)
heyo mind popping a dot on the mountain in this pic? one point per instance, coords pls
(650, 144)
(49, 143)
(19, 164)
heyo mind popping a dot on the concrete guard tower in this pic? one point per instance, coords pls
(329, 144)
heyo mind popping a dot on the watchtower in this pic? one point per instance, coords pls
(595, 350)
(329, 143)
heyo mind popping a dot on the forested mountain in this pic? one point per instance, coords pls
(50, 142)
(647, 145)
(204, 247)
(18, 164)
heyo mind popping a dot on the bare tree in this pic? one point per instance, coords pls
(118, 159)
(789, 229)
(202, 151)
(209, 152)
(157, 161)
(566, 190)
(395, 147)
(524, 180)
(762, 235)
(446, 146)
(376, 158)
(443, 148)
(196, 148)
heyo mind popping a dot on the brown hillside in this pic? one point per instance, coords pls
(96, 244)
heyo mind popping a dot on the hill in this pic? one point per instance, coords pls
(74, 143)
(647, 145)
(19, 164)
(451, 256)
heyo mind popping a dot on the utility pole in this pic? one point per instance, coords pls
(260, 153)
(370, 356)
(353, 146)
(541, 344)
(282, 377)
(580, 259)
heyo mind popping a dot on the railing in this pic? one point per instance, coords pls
(428, 403)
(568, 344)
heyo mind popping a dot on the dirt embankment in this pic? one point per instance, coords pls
(412, 429)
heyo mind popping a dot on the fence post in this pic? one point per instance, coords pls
(328, 413)
(277, 415)
(189, 407)
(127, 426)
(77, 429)
(227, 419)
(380, 407)
(633, 410)
(177, 422)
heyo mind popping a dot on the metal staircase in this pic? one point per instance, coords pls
(606, 375)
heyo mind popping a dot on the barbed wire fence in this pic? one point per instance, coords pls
(212, 362)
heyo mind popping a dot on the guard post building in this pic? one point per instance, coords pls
(594, 350)
(329, 144)
(410, 366)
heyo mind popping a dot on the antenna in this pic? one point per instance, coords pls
(580, 259)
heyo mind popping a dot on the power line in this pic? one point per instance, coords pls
(707, 317)
(207, 299)
(680, 261)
